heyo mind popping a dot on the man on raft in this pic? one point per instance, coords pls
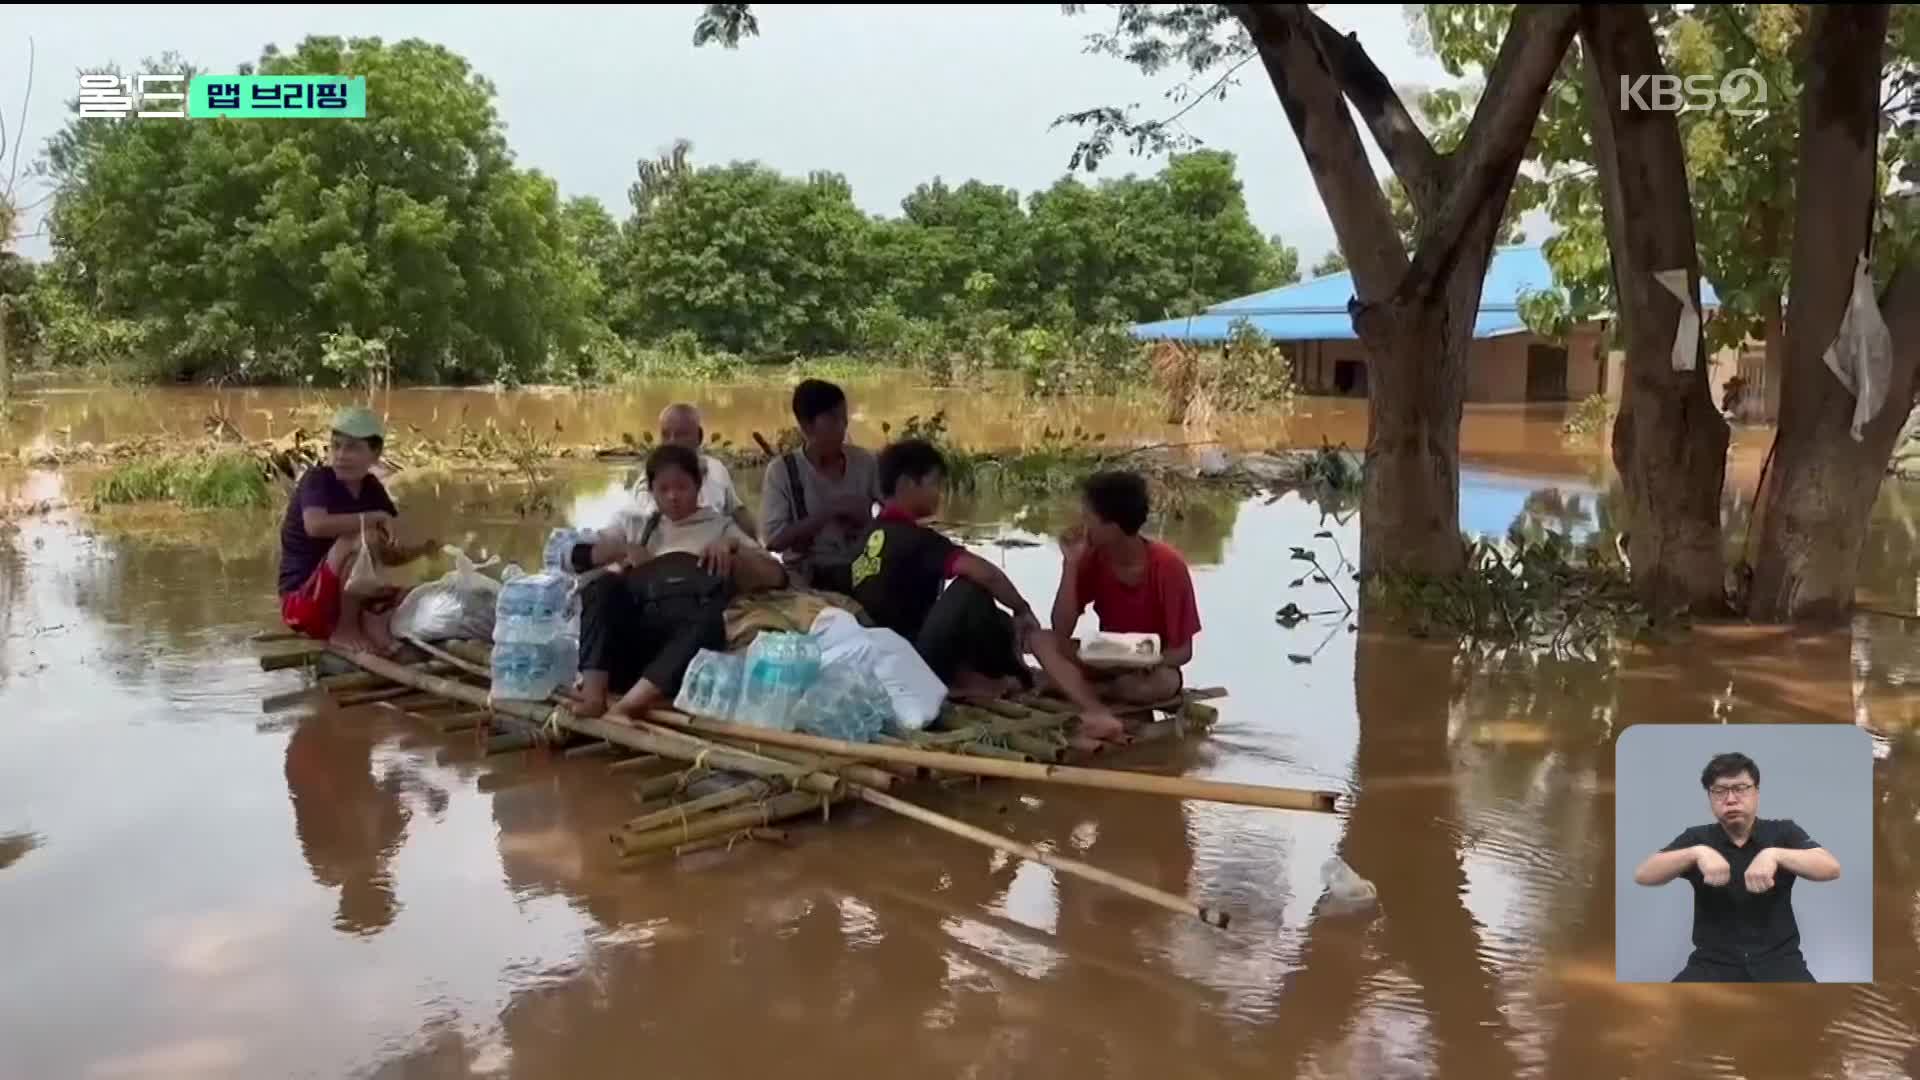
(336, 509)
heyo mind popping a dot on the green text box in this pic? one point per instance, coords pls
(342, 97)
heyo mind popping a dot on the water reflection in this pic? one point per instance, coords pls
(432, 913)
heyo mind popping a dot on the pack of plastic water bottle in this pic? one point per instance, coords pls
(780, 667)
(847, 702)
(711, 688)
(536, 638)
(557, 557)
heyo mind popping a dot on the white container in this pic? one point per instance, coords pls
(1104, 650)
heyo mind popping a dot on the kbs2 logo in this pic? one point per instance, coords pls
(1741, 92)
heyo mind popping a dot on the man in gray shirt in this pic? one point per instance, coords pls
(817, 503)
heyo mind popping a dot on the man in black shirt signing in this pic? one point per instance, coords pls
(1742, 869)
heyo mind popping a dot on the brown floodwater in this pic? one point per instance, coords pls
(192, 888)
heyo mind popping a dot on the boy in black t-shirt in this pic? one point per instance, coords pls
(968, 641)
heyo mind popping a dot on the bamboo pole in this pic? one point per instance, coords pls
(778, 808)
(275, 702)
(655, 786)
(368, 697)
(865, 774)
(773, 836)
(751, 791)
(1277, 798)
(442, 655)
(640, 761)
(587, 749)
(284, 660)
(1074, 867)
(277, 635)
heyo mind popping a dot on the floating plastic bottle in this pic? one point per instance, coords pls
(1347, 892)
(712, 685)
(847, 702)
(780, 667)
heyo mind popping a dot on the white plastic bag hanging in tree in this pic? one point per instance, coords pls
(1686, 337)
(1861, 355)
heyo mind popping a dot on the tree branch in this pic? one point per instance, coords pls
(1497, 137)
(1421, 170)
(1304, 81)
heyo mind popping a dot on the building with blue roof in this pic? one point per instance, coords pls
(1506, 361)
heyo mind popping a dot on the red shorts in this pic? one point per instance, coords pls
(314, 608)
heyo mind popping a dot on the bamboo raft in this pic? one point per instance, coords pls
(702, 785)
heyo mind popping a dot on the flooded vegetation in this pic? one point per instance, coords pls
(198, 872)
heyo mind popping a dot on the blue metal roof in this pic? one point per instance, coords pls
(1316, 310)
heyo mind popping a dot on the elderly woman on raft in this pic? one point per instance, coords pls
(680, 564)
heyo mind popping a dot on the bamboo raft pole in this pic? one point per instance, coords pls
(1073, 867)
(1276, 798)
(672, 736)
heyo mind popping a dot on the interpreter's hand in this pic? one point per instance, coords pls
(1712, 865)
(634, 555)
(1761, 870)
(718, 558)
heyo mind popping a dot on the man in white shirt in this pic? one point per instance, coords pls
(680, 426)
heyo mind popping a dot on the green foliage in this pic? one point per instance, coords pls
(223, 481)
(237, 246)
(1538, 594)
(1333, 262)
(1593, 416)
(1741, 168)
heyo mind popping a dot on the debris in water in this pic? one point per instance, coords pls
(1347, 892)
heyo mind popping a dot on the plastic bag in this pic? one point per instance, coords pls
(1861, 355)
(459, 605)
(1347, 892)
(914, 691)
(1686, 335)
(711, 688)
(366, 577)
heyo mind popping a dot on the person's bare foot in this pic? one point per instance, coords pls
(1102, 725)
(351, 638)
(379, 637)
(584, 704)
(1085, 744)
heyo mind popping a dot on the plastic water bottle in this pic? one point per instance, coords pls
(845, 703)
(557, 557)
(545, 596)
(712, 685)
(779, 669)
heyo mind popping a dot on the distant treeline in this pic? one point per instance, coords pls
(410, 247)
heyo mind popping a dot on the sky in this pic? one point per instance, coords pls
(891, 96)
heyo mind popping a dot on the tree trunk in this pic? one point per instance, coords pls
(6, 363)
(1417, 350)
(1811, 512)
(1669, 441)
(1414, 317)
(1773, 329)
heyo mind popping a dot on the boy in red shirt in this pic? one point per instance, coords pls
(1136, 585)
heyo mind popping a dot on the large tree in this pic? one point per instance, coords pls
(1813, 507)
(1413, 310)
(239, 245)
(1740, 159)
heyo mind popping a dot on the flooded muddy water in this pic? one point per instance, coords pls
(192, 888)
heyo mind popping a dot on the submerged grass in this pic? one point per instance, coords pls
(226, 480)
